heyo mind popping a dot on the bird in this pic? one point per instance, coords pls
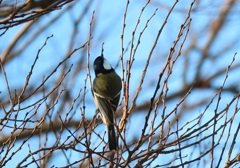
(107, 88)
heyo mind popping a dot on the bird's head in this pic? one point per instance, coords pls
(101, 65)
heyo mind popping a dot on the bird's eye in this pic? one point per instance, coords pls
(106, 65)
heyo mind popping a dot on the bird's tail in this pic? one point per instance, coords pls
(112, 140)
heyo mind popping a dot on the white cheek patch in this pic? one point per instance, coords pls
(106, 65)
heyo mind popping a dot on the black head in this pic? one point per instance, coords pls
(101, 65)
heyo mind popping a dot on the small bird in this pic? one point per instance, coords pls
(107, 88)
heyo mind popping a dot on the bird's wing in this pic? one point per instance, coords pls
(107, 107)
